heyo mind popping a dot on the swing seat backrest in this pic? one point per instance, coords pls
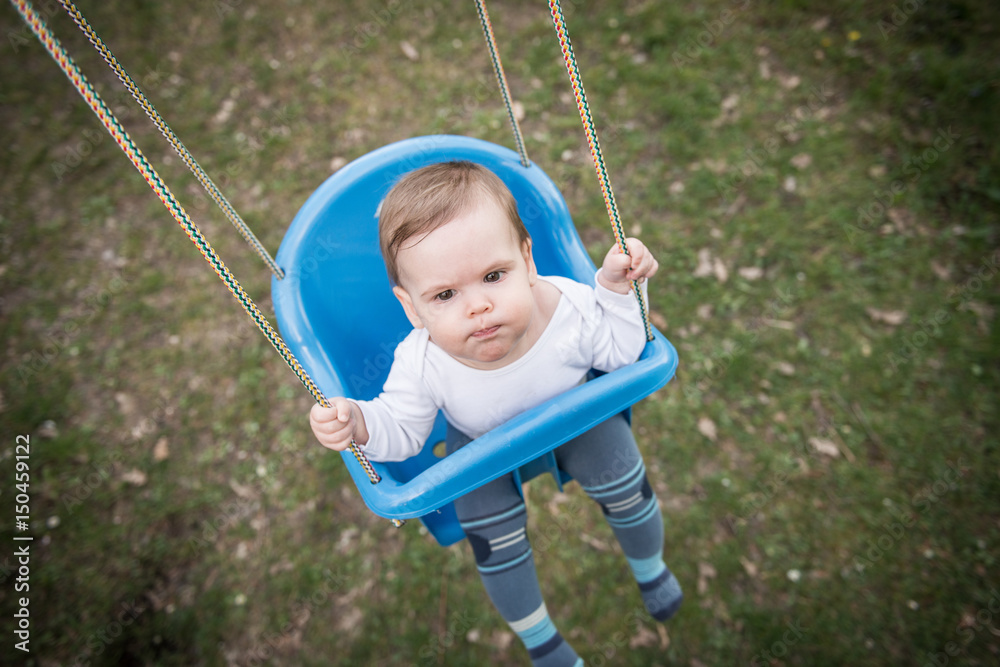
(336, 312)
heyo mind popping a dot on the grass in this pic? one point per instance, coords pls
(820, 183)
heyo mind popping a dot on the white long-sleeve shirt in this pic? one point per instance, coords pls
(592, 327)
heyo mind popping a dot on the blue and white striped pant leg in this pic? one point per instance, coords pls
(495, 521)
(607, 464)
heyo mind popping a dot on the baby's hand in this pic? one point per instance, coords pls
(618, 268)
(337, 425)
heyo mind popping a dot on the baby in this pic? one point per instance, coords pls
(491, 338)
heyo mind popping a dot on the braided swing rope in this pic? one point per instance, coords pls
(491, 44)
(595, 148)
(124, 141)
(175, 142)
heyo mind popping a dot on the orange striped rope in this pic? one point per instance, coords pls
(175, 142)
(124, 141)
(595, 147)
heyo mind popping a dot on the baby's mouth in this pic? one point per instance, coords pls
(486, 333)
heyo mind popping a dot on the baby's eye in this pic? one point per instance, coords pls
(445, 295)
(493, 276)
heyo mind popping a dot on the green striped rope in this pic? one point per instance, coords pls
(491, 44)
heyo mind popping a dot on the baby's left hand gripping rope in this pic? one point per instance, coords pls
(154, 181)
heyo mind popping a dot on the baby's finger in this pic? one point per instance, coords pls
(616, 265)
(343, 407)
(321, 415)
(645, 266)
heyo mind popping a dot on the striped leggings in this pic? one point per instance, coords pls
(605, 461)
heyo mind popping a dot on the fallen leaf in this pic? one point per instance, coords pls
(518, 111)
(594, 542)
(719, 269)
(789, 82)
(790, 184)
(349, 619)
(901, 218)
(501, 639)
(751, 272)
(707, 428)
(126, 404)
(645, 637)
(715, 166)
(942, 272)
(890, 317)
(48, 430)
(704, 267)
(750, 568)
(135, 477)
(785, 368)
(241, 490)
(730, 102)
(801, 161)
(664, 637)
(409, 51)
(825, 447)
(161, 450)
(820, 24)
(705, 572)
(705, 311)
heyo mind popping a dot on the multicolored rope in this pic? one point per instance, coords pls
(595, 148)
(491, 43)
(124, 141)
(182, 151)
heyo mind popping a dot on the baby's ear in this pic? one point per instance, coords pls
(411, 313)
(529, 261)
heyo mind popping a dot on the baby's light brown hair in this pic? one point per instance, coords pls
(431, 196)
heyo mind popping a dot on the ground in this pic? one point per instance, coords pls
(819, 180)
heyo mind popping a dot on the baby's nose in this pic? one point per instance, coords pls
(479, 304)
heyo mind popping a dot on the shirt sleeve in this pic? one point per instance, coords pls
(616, 327)
(400, 419)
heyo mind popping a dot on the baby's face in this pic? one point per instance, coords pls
(469, 283)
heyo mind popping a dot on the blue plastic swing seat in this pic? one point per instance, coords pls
(336, 311)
